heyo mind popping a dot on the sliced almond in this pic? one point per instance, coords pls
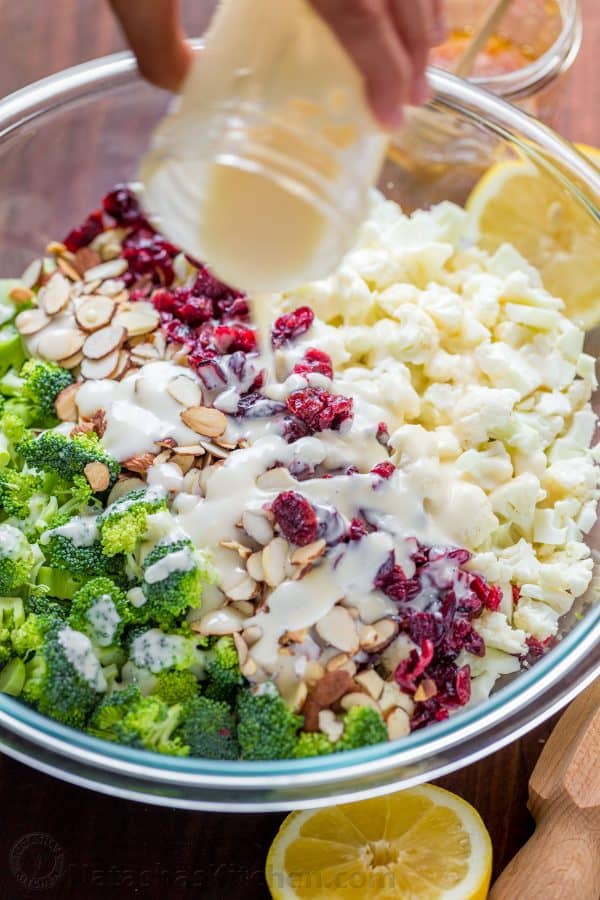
(98, 475)
(296, 697)
(188, 449)
(384, 631)
(90, 287)
(254, 567)
(371, 682)
(337, 662)
(65, 404)
(356, 698)
(85, 259)
(338, 629)
(20, 295)
(139, 463)
(95, 312)
(59, 343)
(68, 269)
(398, 724)
(71, 362)
(274, 558)
(245, 590)
(426, 690)
(145, 351)
(97, 369)
(57, 248)
(32, 274)
(313, 672)
(111, 269)
(219, 621)
(277, 479)
(122, 487)
(304, 557)
(192, 482)
(252, 634)
(204, 420)
(245, 607)
(30, 321)
(185, 463)
(242, 551)
(55, 294)
(114, 288)
(330, 725)
(123, 364)
(295, 637)
(257, 526)
(215, 450)
(327, 691)
(104, 341)
(249, 668)
(185, 391)
(242, 648)
(162, 457)
(138, 318)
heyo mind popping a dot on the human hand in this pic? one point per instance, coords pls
(388, 40)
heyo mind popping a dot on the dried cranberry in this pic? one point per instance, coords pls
(410, 669)
(384, 470)
(291, 325)
(211, 374)
(122, 205)
(257, 406)
(357, 530)
(516, 593)
(293, 429)
(229, 338)
(538, 648)
(319, 410)
(147, 253)
(423, 626)
(393, 582)
(84, 234)
(428, 712)
(383, 434)
(314, 360)
(296, 517)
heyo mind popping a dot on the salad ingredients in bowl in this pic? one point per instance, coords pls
(204, 557)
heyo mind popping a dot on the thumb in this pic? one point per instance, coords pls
(155, 35)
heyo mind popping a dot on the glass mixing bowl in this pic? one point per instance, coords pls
(63, 142)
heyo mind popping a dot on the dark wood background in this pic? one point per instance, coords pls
(117, 849)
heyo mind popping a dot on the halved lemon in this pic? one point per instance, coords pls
(421, 843)
(519, 203)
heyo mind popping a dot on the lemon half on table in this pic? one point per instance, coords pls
(420, 843)
(519, 203)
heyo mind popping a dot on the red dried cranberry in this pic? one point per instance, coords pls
(384, 470)
(393, 582)
(314, 360)
(410, 669)
(296, 517)
(426, 713)
(147, 253)
(383, 434)
(84, 234)
(122, 205)
(319, 410)
(516, 593)
(423, 626)
(357, 530)
(257, 406)
(230, 338)
(291, 325)
(293, 429)
(211, 374)
(538, 648)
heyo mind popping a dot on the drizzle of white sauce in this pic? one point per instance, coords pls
(80, 653)
(179, 561)
(82, 531)
(155, 650)
(104, 619)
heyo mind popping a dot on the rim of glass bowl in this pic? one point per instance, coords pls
(558, 58)
(27, 735)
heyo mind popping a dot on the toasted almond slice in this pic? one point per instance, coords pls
(95, 312)
(30, 321)
(85, 259)
(242, 648)
(113, 287)
(71, 362)
(20, 295)
(140, 463)
(215, 450)
(138, 318)
(252, 634)
(426, 690)
(204, 420)
(337, 662)
(338, 629)
(122, 487)
(59, 343)
(185, 463)
(32, 274)
(65, 404)
(219, 621)
(54, 296)
(56, 248)
(225, 445)
(330, 725)
(278, 479)
(242, 551)
(257, 526)
(111, 269)
(189, 450)
(249, 668)
(90, 287)
(97, 369)
(123, 364)
(163, 457)
(303, 556)
(192, 482)
(145, 351)
(274, 558)
(104, 341)
(313, 672)
(254, 567)
(384, 632)
(245, 590)
(185, 391)
(371, 682)
(98, 475)
(398, 724)
(68, 269)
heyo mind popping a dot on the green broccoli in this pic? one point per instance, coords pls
(173, 582)
(223, 670)
(363, 726)
(57, 583)
(156, 650)
(100, 610)
(12, 677)
(12, 616)
(313, 743)
(266, 727)
(43, 614)
(12, 353)
(73, 546)
(149, 724)
(111, 710)
(17, 490)
(41, 383)
(65, 677)
(175, 686)
(17, 559)
(208, 729)
(124, 522)
(66, 456)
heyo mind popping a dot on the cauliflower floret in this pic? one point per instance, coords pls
(465, 515)
(538, 619)
(482, 413)
(496, 631)
(486, 670)
(489, 468)
(515, 501)
(506, 368)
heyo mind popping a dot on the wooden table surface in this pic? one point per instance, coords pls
(117, 849)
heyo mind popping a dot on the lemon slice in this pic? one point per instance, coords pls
(420, 843)
(519, 203)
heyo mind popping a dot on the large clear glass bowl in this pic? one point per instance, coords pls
(63, 142)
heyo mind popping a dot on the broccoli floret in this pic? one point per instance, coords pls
(16, 559)
(111, 710)
(223, 671)
(175, 686)
(124, 523)
(43, 615)
(208, 729)
(17, 489)
(65, 677)
(173, 582)
(73, 546)
(155, 650)
(12, 616)
(363, 726)
(12, 353)
(312, 743)
(266, 727)
(149, 724)
(100, 610)
(12, 677)
(42, 382)
(57, 583)
(66, 456)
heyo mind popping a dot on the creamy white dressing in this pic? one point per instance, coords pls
(81, 530)
(11, 541)
(80, 653)
(179, 561)
(104, 619)
(155, 650)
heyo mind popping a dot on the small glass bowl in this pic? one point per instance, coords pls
(64, 142)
